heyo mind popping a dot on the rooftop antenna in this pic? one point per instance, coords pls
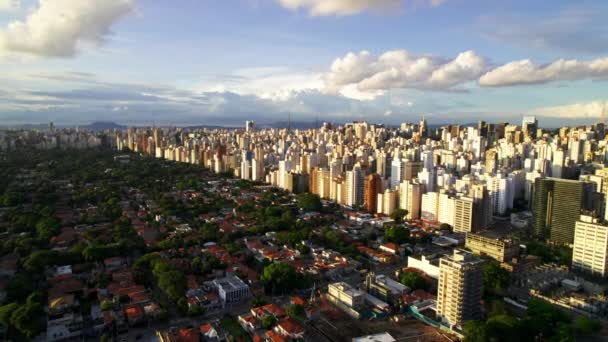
(603, 114)
(289, 122)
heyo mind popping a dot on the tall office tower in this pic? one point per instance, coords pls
(446, 209)
(410, 197)
(529, 126)
(373, 186)
(556, 207)
(397, 166)
(411, 169)
(430, 206)
(354, 186)
(460, 288)
(249, 125)
(557, 166)
(158, 136)
(482, 211)
(427, 159)
(590, 253)
(576, 150)
(422, 129)
(482, 127)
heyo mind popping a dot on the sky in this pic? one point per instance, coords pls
(221, 62)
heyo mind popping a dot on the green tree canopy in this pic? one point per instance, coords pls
(495, 278)
(268, 322)
(413, 280)
(296, 311)
(396, 234)
(309, 201)
(280, 278)
(399, 215)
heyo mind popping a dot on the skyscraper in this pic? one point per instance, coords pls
(460, 288)
(410, 197)
(590, 253)
(373, 186)
(556, 207)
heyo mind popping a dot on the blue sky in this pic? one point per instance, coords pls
(221, 62)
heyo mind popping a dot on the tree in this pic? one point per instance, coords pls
(445, 226)
(39, 260)
(502, 328)
(6, 311)
(28, 319)
(280, 278)
(47, 227)
(413, 280)
(258, 301)
(495, 278)
(396, 234)
(586, 326)
(195, 310)
(399, 215)
(475, 331)
(268, 322)
(296, 311)
(309, 201)
(106, 305)
(20, 286)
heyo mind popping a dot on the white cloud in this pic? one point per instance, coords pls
(397, 69)
(9, 5)
(270, 83)
(572, 111)
(59, 28)
(338, 7)
(349, 7)
(526, 72)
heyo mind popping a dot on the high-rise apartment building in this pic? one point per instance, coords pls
(464, 215)
(410, 197)
(590, 253)
(460, 288)
(373, 186)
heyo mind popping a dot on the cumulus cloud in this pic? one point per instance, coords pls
(9, 5)
(397, 69)
(59, 28)
(272, 83)
(527, 72)
(348, 7)
(582, 110)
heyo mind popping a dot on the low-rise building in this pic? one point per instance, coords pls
(499, 249)
(231, 289)
(347, 295)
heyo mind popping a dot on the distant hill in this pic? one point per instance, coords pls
(102, 125)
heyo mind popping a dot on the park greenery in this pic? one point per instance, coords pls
(542, 322)
(282, 278)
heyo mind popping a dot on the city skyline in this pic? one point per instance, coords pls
(389, 61)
